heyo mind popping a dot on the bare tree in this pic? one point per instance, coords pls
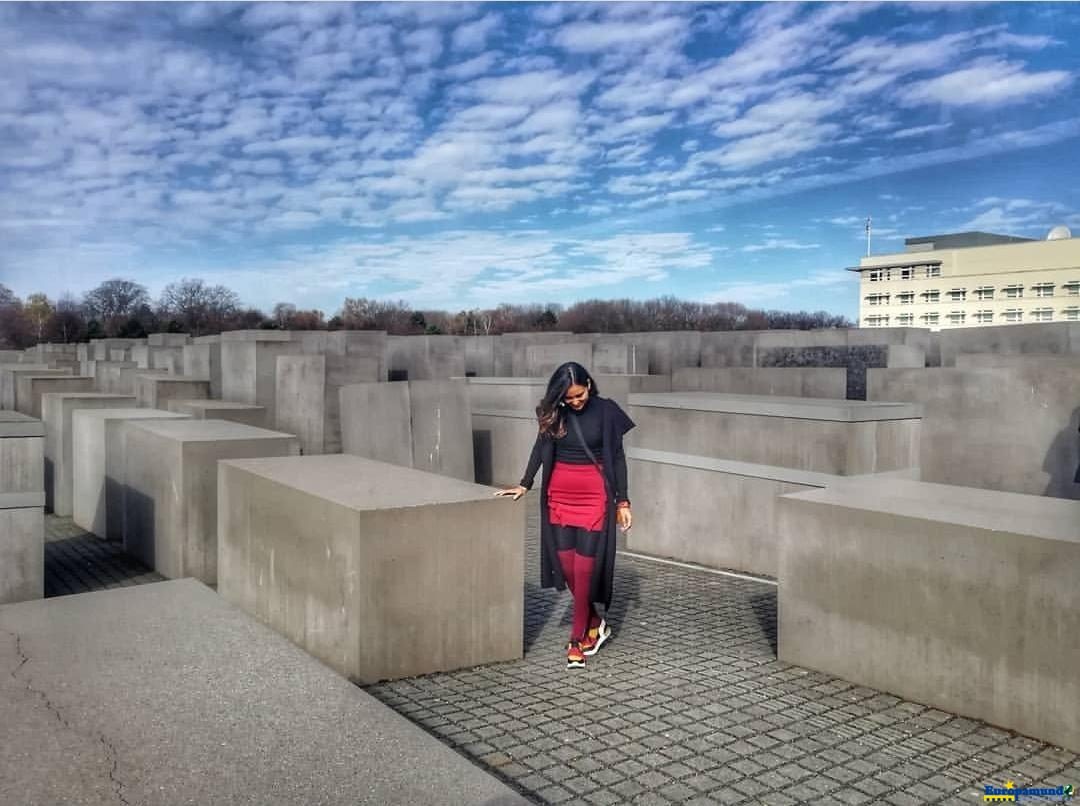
(38, 310)
(198, 307)
(115, 302)
(68, 323)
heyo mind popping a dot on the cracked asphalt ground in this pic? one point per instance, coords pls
(686, 704)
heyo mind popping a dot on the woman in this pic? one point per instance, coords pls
(583, 495)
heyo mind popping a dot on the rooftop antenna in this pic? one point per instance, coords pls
(868, 228)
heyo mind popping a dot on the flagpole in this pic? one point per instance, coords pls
(868, 227)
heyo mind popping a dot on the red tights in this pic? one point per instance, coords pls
(578, 570)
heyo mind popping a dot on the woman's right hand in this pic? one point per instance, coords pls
(516, 492)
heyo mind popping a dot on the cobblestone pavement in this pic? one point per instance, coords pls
(686, 704)
(77, 561)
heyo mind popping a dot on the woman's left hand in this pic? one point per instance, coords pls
(624, 518)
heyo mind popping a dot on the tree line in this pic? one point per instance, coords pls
(122, 308)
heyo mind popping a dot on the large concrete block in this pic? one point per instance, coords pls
(841, 437)
(480, 356)
(506, 394)
(168, 340)
(107, 377)
(202, 361)
(618, 356)
(821, 382)
(1010, 428)
(22, 454)
(221, 410)
(30, 388)
(620, 387)
(102, 349)
(1045, 338)
(511, 357)
(308, 396)
(170, 475)
(155, 391)
(125, 380)
(414, 358)
(249, 366)
(962, 599)
(22, 547)
(170, 695)
(713, 512)
(543, 359)
(168, 359)
(502, 441)
(420, 424)
(379, 571)
(9, 375)
(98, 487)
(56, 413)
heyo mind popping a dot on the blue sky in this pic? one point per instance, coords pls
(461, 155)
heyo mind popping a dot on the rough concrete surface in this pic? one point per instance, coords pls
(224, 711)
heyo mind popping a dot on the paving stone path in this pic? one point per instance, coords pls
(686, 704)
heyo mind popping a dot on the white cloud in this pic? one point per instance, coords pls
(474, 35)
(987, 83)
(779, 243)
(594, 37)
(918, 131)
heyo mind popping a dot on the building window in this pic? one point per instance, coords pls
(1014, 315)
(878, 299)
(984, 317)
(877, 321)
(931, 296)
(957, 294)
(1071, 314)
(906, 298)
(930, 318)
(1072, 288)
(879, 274)
(1043, 289)
(1043, 314)
(933, 271)
(907, 274)
(1014, 291)
(984, 292)
(956, 318)
(905, 319)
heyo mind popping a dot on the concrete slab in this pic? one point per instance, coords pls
(220, 410)
(22, 546)
(56, 411)
(9, 374)
(202, 361)
(825, 436)
(502, 440)
(820, 382)
(379, 571)
(170, 475)
(22, 454)
(308, 396)
(107, 376)
(1011, 428)
(712, 512)
(98, 486)
(168, 339)
(415, 358)
(977, 585)
(425, 425)
(543, 359)
(30, 388)
(154, 391)
(99, 700)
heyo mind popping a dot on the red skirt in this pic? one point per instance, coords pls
(577, 497)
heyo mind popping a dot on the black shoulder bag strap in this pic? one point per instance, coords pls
(592, 458)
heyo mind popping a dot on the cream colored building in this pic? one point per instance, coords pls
(971, 279)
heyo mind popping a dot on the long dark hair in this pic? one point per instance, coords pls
(551, 413)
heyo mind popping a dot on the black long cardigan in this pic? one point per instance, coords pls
(615, 424)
